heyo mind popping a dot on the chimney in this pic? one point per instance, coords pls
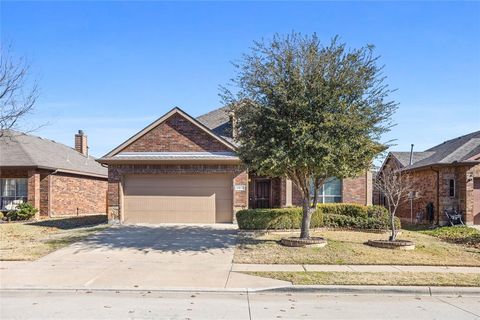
(81, 144)
(411, 155)
(233, 123)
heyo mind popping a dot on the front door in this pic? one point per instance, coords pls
(262, 193)
(476, 201)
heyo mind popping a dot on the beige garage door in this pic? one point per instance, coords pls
(201, 198)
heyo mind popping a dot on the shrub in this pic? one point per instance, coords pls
(346, 209)
(1, 215)
(23, 211)
(327, 215)
(352, 210)
(274, 219)
(344, 221)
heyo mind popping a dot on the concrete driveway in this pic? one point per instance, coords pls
(140, 257)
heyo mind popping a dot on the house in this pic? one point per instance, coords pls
(185, 170)
(56, 179)
(446, 175)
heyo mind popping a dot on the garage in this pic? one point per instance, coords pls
(177, 198)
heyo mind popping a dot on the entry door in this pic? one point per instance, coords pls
(476, 201)
(262, 194)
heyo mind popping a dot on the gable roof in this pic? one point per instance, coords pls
(159, 121)
(26, 150)
(404, 156)
(219, 122)
(463, 149)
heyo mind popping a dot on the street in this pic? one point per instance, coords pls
(44, 304)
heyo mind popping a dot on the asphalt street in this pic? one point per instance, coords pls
(45, 304)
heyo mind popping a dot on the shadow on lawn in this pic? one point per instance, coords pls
(166, 238)
(71, 222)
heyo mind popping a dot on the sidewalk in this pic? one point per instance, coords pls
(348, 268)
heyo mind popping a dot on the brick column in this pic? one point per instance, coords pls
(34, 190)
(113, 195)
(240, 197)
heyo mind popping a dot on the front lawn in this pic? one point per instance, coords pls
(461, 235)
(32, 240)
(375, 278)
(347, 247)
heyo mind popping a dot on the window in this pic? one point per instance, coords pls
(451, 188)
(331, 191)
(12, 192)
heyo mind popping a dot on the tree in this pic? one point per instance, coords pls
(17, 97)
(309, 112)
(395, 185)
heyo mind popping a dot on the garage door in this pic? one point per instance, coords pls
(198, 198)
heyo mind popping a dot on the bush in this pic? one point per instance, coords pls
(352, 210)
(345, 209)
(23, 211)
(373, 223)
(274, 219)
(1, 215)
(333, 215)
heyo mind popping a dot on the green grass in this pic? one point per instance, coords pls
(460, 235)
(375, 278)
(347, 247)
(30, 241)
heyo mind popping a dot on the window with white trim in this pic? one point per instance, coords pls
(12, 192)
(331, 191)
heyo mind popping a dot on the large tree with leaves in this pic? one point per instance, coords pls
(309, 111)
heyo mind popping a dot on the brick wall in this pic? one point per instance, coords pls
(176, 134)
(34, 189)
(240, 198)
(470, 174)
(44, 193)
(72, 194)
(354, 190)
(425, 185)
(115, 173)
(13, 173)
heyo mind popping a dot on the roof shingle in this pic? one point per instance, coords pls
(25, 150)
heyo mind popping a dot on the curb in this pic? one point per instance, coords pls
(321, 289)
(381, 290)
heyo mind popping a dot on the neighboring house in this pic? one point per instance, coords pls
(182, 169)
(447, 175)
(56, 179)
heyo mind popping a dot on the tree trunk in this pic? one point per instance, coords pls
(393, 236)
(307, 216)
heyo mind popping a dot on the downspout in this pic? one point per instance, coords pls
(438, 194)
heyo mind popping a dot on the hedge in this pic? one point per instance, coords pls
(326, 215)
(274, 219)
(370, 223)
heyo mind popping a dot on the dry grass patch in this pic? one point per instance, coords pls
(347, 247)
(375, 278)
(30, 241)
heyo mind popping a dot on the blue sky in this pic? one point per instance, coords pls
(110, 68)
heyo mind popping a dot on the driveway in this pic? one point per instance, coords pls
(140, 257)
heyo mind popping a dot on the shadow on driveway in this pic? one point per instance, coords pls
(163, 238)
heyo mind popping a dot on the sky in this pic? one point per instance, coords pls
(111, 68)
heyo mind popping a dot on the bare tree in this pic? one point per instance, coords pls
(395, 185)
(17, 95)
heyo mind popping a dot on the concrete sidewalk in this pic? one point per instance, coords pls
(348, 268)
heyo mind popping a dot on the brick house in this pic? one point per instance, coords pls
(56, 179)
(447, 176)
(182, 169)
